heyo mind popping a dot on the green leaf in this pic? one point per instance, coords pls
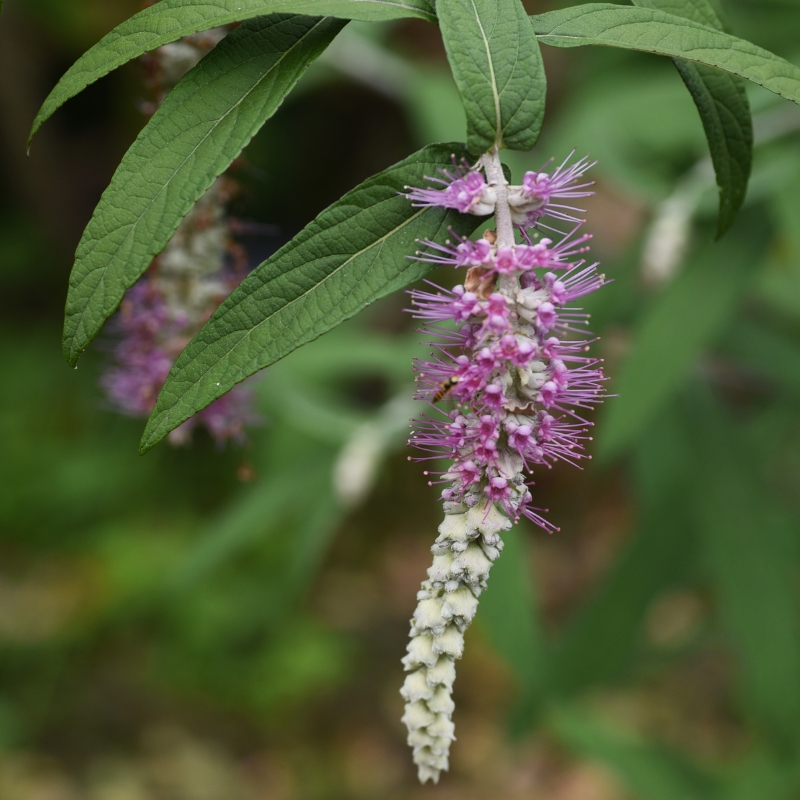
(203, 125)
(700, 11)
(656, 32)
(685, 319)
(752, 555)
(169, 20)
(725, 112)
(353, 253)
(722, 103)
(651, 772)
(498, 70)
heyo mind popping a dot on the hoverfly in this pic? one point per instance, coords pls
(445, 387)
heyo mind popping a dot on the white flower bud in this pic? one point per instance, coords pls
(491, 551)
(471, 566)
(443, 728)
(420, 652)
(420, 738)
(416, 687)
(486, 203)
(450, 643)
(418, 716)
(460, 606)
(439, 572)
(487, 522)
(442, 674)
(428, 616)
(453, 533)
(509, 464)
(522, 204)
(531, 299)
(433, 760)
(425, 773)
(441, 702)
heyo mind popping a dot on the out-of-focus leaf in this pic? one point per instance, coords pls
(724, 110)
(600, 644)
(685, 319)
(508, 614)
(347, 352)
(353, 253)
(498, 69)
(249, 519)
(656, 32)
(169, 20)
(435, 107)
(768, 353)
(650, 772)
(752, 554)
(762, 775)
(204, 124)
(638, 127)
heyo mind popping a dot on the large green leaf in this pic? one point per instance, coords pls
(685, 319)
(657, 32)
(169, 20)
(199, 130)
(498, 69)
(353, 253)
(752, 555)
(724, 111)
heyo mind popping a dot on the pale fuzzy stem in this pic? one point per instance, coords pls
(464, 551)
(494, 175)
(493, 167)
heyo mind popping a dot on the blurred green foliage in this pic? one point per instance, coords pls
(257, 598)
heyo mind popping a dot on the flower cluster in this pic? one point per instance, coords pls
(510, 352)
(513, 367)
(198, 269)
(466, 190)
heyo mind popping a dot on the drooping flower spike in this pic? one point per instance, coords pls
(510, 354)
(197, 270)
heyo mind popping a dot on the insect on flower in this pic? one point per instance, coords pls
(445, 387)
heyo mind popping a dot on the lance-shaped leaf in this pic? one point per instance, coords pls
(199, 130)
(498, 68)
(657, 32)
(354, 252)
(724, 111)
(169, 20)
